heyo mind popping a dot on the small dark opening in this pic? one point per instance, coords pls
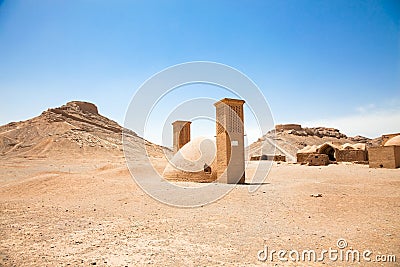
(330, 151)
(381, 166)
(207, 169)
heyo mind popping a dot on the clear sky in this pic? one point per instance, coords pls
(319, 63)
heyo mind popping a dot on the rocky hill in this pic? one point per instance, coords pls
(287, 142)
(75, 128)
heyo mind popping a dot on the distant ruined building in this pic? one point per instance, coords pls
(332, 152)
(385, 156)
(286, 127)
(328, 152)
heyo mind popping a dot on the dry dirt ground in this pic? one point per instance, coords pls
(59, 212)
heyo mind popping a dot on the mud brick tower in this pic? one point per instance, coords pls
(181, 132)
(230, 141)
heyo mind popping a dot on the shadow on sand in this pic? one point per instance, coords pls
(254, 184)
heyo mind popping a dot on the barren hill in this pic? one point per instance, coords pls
(288, 142)
(75, 128)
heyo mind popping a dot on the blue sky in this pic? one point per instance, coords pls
(328, 63)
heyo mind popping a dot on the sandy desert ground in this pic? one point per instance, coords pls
(81, 212)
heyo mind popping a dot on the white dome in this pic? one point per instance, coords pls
(189, 163)
(394, 141)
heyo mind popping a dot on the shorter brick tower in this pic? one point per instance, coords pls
(181, 132)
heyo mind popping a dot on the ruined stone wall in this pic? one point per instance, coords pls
(279, 158)
(317, 160)
(384, 157)
(286, 127)
(80, 106)
(313, 159)
(87, 107)
(268, 157)
(255, 158)
(397, 156)
(351, 155)
(302, 157)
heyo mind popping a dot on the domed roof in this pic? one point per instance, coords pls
(394, 141)
(191, 161)
(322, 149)
(357, 146)
(347, 146)
(308, 149)
(360, 146)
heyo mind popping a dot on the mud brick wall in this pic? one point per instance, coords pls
(313, 159)
(351, 155)
(279, 158)
(384, 157)
(302, 157)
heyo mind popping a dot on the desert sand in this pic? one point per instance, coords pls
(68, 199)
(59, 212)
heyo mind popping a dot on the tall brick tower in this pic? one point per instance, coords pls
(181, 132)
(230, 141)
